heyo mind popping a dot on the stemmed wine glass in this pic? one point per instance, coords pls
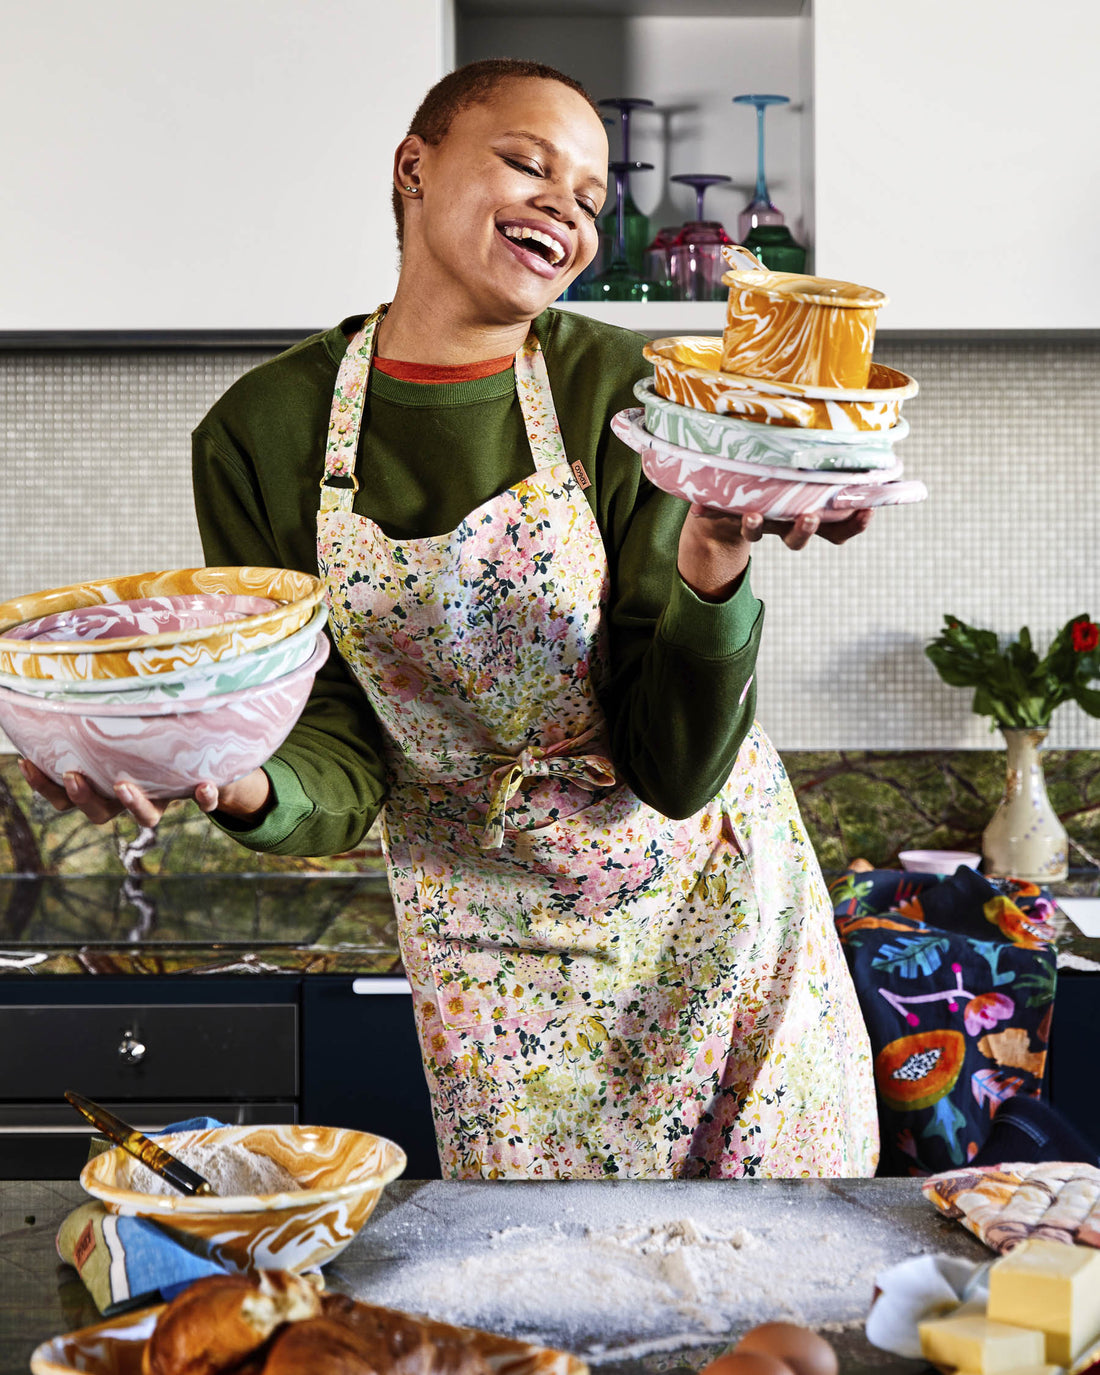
(635, 224)
(761, 227)
(619, 281)
(695, 257)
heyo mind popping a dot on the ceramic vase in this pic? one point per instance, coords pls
(1024, 838)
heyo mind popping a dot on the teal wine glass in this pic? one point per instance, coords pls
(761, 226)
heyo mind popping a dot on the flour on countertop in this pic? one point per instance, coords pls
(230, 1169)
(618, 1290)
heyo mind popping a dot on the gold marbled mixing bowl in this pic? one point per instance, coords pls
(298, 594)
(341, 1173)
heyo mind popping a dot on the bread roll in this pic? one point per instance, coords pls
(219, 1322)
(398, 1344)
(318, 1346)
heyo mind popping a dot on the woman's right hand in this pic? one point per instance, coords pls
(244, 799)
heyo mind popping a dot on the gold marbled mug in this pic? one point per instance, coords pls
(788, 327)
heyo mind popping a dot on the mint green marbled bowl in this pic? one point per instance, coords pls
(748, 441)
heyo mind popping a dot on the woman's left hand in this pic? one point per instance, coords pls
(715, 546)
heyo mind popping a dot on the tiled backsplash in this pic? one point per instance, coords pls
(95, 450)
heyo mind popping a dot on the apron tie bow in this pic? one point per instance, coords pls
(591, 771)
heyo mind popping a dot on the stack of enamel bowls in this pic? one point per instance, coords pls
(786, 414)
(166, 680)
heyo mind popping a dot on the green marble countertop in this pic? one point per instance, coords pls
(532, 1256)
(198, 924)
(265, 923)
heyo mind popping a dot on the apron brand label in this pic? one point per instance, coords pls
(580, 474)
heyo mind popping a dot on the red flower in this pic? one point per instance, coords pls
(1086, 636)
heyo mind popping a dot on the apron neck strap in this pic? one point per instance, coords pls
(339, 482)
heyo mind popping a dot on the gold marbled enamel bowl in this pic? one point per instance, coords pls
(297, 595)
(686, 370)
(341, 1173)
(790, 327)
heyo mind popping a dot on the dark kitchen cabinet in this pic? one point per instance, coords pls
(242, 1049)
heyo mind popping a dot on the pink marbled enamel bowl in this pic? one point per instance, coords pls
(296, 594)
(725, 485)
(142, 616)
(167, 748)
(340, 1175)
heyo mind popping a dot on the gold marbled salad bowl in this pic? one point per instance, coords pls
(298, 594)
(340, 1173)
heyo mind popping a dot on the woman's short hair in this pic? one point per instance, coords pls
(469, 85)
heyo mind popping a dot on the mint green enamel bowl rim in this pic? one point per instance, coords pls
(277, 658)
(782, 439)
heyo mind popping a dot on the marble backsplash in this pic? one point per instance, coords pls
(855, 803)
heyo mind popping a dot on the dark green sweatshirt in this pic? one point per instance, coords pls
(429, 453)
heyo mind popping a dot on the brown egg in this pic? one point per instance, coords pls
(803, 1351)
(746, 1363)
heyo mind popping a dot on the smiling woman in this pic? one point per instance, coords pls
(620, 946)
(497, 193)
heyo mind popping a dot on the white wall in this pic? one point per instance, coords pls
(956, 164)
(214, 164)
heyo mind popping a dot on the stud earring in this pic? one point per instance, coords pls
(411, 189)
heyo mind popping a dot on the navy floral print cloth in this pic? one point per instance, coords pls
(956, 978)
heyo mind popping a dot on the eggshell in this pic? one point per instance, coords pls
(746, 1363)
(802, 1351)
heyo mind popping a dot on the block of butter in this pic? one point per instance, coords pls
(1053, 1287)
(975, 1343)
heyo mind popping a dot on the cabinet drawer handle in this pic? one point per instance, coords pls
(131, 1049)
(380, 985)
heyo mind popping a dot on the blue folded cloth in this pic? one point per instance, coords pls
(129, 1262)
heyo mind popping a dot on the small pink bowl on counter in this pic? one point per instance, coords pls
(937, 861)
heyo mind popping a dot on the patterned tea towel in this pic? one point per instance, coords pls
(129, 1262)
(1005, 1204)
(956, 978)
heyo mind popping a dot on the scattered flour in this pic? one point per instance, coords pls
(230, 1169)
(622, 1290)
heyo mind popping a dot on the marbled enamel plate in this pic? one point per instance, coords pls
(115, 1348)
(723, 485)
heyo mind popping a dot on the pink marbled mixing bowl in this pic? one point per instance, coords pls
(142, 616)
(166, 748)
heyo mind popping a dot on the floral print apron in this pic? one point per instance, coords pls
(598, 990)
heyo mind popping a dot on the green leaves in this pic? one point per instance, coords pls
(1013, 685)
